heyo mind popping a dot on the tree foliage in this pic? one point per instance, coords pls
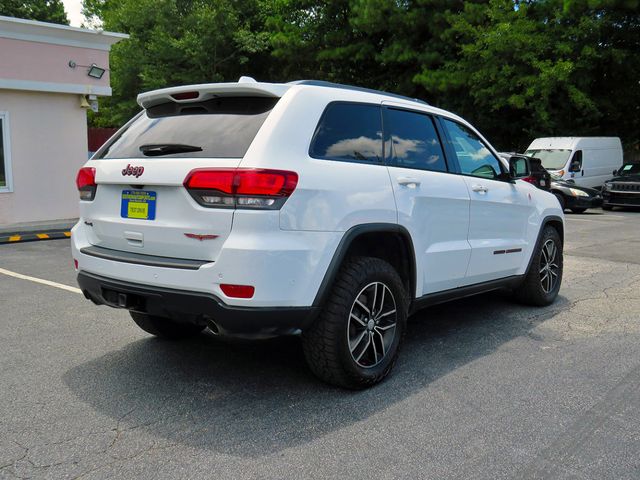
(43, 10)
(517, 69)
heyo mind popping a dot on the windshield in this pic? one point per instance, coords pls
(552, 159)
(222, 127)
(630, 169)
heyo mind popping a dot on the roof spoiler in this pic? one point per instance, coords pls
(246, 86)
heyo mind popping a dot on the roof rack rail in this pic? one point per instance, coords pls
(322, 83)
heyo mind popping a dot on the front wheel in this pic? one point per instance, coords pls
(542, 282)
(354, 343)
(164, 327)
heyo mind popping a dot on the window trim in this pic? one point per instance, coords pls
(383, 160)
(6, 145)
(389, 162)
(451, 151)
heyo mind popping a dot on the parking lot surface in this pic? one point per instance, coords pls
(484, 388)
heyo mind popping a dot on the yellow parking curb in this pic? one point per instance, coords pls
(33, 236)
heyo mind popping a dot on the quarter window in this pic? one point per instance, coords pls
(473, 155)
(413, 141)
(349, 132)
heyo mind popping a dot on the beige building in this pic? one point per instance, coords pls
(49, 76)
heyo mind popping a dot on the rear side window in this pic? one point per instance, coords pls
(222, 127)
(414, 142)
(349, 132)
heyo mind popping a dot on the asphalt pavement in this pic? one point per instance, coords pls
(484, 389)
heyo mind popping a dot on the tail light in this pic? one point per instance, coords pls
(530, 180)
(241, 188)
(86, 183)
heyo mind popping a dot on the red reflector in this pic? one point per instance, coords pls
(86, 177)
(75, 263)
(274, 183)
(185, 95)
(237, 291)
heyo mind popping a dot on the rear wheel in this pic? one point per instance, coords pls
(354, 343)
(542, 283)
(165, 327)
(578, 210)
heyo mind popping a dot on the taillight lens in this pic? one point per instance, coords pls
(531, 180)
(86, 183)
(241, 188)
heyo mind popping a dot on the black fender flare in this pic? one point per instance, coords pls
(343, 247)
(548, 219)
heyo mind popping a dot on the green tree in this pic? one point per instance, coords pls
(543, 68)
(43, 10)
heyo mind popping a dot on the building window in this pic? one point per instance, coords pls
(5, 154)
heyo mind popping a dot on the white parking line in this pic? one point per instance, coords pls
(40, 280)
(594, 217)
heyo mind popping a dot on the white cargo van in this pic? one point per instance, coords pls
(588, 161)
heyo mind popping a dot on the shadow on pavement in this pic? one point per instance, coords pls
(255, 398)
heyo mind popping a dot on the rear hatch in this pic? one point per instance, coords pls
(141, 204)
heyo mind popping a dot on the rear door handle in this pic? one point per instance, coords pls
(479, 188)
(408, 181)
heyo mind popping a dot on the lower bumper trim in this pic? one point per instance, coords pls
(195, 307)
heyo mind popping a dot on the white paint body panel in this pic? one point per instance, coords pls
(435, 211)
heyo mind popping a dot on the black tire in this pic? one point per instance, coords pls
(578, 210)
(164, 327)
(535, 289)
(608, 208)
(328, 346)
(561, 201)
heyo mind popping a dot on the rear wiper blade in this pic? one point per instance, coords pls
(155, 150)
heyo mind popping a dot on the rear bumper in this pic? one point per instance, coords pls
(195, 307)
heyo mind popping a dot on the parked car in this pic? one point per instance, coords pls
(574, 197)
(335, 211)
(586, 160)
(623, 190)
(528, 169)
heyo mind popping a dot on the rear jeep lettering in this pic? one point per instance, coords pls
(133, 171)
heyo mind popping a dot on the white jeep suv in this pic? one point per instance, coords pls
(335, 211)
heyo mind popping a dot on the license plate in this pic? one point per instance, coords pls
(138, 204)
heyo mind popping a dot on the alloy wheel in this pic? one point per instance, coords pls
(549, 268)
(372, 324)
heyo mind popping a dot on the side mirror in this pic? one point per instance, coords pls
(519, 167)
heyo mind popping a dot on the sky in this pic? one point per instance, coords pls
(73, 9)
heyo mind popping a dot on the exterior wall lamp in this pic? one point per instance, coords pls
(93, 72)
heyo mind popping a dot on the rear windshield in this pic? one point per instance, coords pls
(222, 127)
